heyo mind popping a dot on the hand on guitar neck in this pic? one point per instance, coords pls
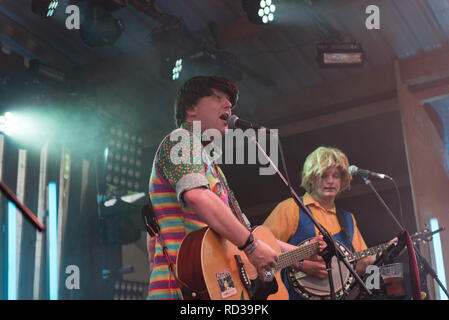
(317, 267)
(363, 263)
(313, 266)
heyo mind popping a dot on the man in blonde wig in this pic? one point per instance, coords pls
(324, 175)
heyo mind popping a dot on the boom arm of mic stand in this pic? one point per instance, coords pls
(334, 249)
(368, 182)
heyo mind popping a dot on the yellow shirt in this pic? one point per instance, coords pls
(284, 219)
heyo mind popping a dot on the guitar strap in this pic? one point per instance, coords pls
(153, 229)
(344, 226)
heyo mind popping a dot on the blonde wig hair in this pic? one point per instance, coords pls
(321, 160)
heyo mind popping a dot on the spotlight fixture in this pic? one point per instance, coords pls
(44, 8)
(9, 123)
(38, 68)
(339, 51)
(99, 27)
(200, 61)
(177, 69)
(171, 67)
(259, 11)
(123, 159)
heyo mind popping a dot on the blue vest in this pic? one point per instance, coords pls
(306, 230)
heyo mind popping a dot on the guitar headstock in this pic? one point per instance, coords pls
(425, 235)
(395, 247)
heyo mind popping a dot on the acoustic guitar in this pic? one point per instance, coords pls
(212, 268)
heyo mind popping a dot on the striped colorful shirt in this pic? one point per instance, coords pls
(178, 167)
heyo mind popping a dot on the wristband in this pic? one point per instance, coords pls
(248, 242)
(252, 248)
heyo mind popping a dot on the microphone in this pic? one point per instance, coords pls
(235, 122)
(353, 170)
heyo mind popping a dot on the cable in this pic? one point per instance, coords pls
(399, 200)
(165, 252)
(284, 165)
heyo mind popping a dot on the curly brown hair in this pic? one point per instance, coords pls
(198, 87)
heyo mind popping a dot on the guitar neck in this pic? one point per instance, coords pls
(419, 236)
(290, 257)
(367, 252)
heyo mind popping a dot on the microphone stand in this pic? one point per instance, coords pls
(368, 182)
(424, 263)
(332, 249)
(427, 269)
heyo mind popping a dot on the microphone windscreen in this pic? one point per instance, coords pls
(231, 121)
(353, 170)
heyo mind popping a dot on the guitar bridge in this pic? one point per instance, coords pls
(243, 275)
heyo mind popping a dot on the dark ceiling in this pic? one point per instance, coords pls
(281, 84)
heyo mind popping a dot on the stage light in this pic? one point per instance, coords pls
(200, 61)
(123, 158)
(51, 8)
(38, 68)
(177, 69)
(9, 124)
(44, 8)
(259, 11)
(339, 52)
(99, 27)
(171, 67)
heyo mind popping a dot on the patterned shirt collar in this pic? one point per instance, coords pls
(218, 152)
